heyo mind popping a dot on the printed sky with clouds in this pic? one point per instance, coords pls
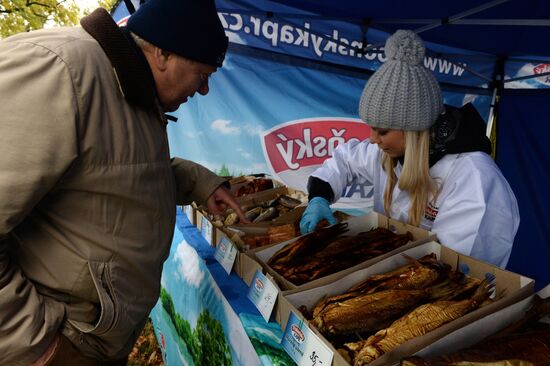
(247, 97)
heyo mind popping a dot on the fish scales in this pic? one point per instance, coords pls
(366, 313)
(418, 322)
(413, 276)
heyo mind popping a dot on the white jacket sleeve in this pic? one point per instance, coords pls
(349, 161)
(479, 215)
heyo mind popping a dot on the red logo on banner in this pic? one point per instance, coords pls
(122, 22)
(306, 142)
(297, 333)
(542, 69)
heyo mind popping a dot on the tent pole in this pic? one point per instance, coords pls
(491, 113)
(130, 6)
(497, 85)
(453, 18)
(527, 77)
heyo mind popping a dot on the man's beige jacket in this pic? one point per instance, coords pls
(88, 191)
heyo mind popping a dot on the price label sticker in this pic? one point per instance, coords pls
(263, 293)
(304, 346)
(206, 229)
(225, 254)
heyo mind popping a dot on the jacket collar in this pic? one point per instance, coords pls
(458, 130)
(131, 68)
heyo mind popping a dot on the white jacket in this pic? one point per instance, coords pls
(476, 212)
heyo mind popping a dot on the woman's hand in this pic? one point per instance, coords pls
(317, 209)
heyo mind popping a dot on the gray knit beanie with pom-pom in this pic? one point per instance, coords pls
(402, 94)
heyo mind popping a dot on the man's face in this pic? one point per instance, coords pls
(179, 79)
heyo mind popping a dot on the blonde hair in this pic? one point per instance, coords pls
(415, 176)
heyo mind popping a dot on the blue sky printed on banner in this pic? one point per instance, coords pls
(248, 96)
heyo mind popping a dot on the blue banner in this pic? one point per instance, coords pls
(289, 31)
(292, 32)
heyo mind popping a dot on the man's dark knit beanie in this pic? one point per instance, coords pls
(189, 28)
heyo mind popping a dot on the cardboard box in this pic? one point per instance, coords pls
(245, 266)
(477, 331)
(355, 226)
(258, 198)
(208, 230)
(510, 289)
(247, 201)
(236, 232)
(189, 211)
(238, 182)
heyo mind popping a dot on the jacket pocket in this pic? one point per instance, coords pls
(101, 276)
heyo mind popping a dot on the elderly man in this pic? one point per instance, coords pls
(87, 187)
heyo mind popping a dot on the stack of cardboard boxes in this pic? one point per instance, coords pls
(511, 289)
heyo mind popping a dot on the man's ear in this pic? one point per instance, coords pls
(160, 58)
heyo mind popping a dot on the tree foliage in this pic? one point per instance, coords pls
(26, 15)
(209, 334)
(206, 343)
(167, 302)
(108, 4)
(225, 172)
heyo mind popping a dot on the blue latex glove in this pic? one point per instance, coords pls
(317, 210)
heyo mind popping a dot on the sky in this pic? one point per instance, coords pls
(87, 4)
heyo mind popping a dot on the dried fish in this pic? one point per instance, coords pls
(231, 219)
(367, 313)
(267, 215)
(256, 185)
(526, 342)
(416, 323)
(416, 275)
(528, 349)
(306, 244)
(289, 202)
(253, 213)
(333, 254)
(275, 234)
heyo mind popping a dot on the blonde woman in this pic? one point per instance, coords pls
(428, 163)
